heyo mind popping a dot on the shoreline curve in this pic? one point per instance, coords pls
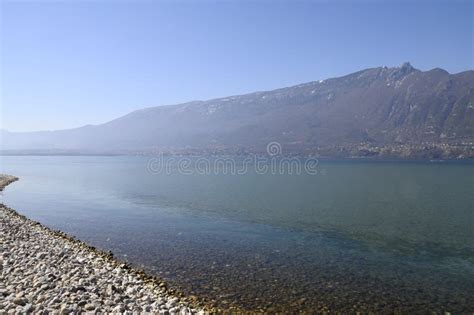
(43, 270)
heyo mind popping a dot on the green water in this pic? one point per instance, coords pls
(382, 236)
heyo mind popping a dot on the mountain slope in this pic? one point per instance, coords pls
(378, 107)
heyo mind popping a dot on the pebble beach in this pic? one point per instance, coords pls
(48, 272)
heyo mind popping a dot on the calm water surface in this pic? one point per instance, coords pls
(376, 236)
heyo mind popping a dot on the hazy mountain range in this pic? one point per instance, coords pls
(392, 112)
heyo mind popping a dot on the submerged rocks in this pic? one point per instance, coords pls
(44, 271)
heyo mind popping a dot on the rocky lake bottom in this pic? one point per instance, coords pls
(335, 251)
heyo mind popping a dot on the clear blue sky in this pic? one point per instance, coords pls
(69, 63)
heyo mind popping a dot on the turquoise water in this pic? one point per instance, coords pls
(378, 236)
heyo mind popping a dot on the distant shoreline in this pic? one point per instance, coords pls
(468, 160)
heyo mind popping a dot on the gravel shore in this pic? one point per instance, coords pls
(48, 272)
(6, 180)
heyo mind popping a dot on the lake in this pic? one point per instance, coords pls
(357, 235)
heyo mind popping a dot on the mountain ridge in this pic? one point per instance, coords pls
(373, 108)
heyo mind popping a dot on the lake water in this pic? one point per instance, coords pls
(367, 236)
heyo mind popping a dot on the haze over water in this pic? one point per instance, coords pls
(385, 235)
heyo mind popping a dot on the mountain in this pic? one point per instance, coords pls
(386, 112)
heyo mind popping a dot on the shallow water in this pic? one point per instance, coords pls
(378, 236)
